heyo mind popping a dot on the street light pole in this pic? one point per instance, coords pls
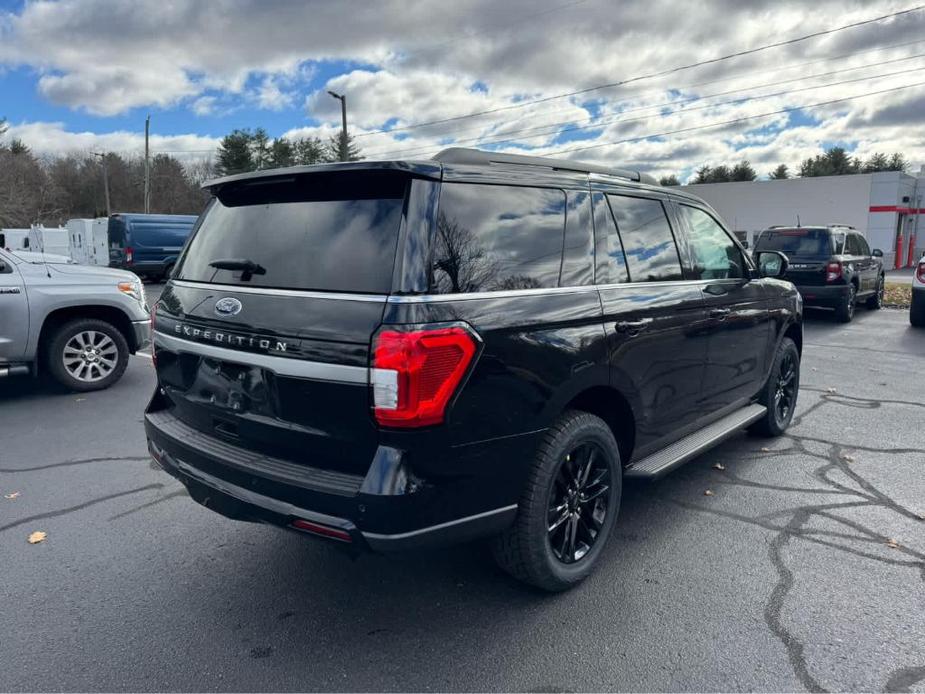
(102, 156)
(343, 117)
(147, 166)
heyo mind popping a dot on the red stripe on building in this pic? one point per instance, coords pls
(897, 208)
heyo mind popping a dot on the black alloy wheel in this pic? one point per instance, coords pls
(786, 390)
(578, 503)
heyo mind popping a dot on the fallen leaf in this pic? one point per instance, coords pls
(709, 492)
(815, 369)
(719, 466)
(922, 516)
(831, 390)
(765, 449)
(847, 458)
(892, 544)
(11, 495)
(36, 537)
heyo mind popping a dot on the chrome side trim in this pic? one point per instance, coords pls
(304, 294)
(434, 298)
(440, 526)
(283, 366)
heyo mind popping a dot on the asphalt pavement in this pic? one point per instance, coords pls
(804, 569)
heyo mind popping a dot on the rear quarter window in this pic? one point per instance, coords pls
(495, 238)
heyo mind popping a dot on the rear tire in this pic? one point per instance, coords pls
(844, 312)
(568, 507)
(87, 354)
(917, 309)
(875, 302)
(780, 392)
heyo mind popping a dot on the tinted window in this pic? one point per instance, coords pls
(578, 251)
(716, 257)
(611, 261)
(145, 233)
(854, 245)
(497, 237)
(838, 242)
(862, 243)
(648, 243)
(796, 242)
(336, 232)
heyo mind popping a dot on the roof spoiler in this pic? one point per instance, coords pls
(464, 155)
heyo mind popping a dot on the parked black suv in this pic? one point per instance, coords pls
(403, 354)
(831, 266)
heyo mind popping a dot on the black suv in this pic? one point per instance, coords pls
(403, 354)
(831, 266)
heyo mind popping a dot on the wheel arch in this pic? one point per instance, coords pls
(614, 408)
(55, 319)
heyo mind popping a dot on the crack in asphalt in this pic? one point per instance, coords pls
(868, 495)
(78, 507)
(161, 499)
(84, 461)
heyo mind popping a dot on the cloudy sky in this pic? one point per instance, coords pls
(82, 74)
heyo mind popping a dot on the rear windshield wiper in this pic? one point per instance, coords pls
(247, 267)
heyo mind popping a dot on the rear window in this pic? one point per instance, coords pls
(647, 242)
(796, 241)
(326, 232)
(492, 238)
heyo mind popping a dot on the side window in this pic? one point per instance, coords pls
(716, 257)
(611, 260)
(862, 243)
(492, 238)
(852, 247)
(578, 251)
(838, 243)
(649, 245)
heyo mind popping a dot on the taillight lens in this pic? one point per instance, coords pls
(920, 271)
(832, 272)
(129, 255)
(416, 373)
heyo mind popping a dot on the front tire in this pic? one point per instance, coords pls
(917, 309)
(568, 507)
(844, 312)
(87, 354)
(780, 392)
(875, 302)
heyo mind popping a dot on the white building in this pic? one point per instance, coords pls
(886, 207)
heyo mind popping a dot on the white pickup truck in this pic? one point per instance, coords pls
(77, 323)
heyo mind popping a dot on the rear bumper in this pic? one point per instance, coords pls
(243, 485)
(827, 295)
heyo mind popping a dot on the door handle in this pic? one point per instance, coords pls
(631, 327)
(720, 313)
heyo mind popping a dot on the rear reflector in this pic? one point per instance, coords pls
(129, 256)
(323, 530)
(416, 373)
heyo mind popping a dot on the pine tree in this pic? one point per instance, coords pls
(671, 180)
(308, 150)
(281, 154)
(260, 149)
(742, 171)
(780, 173)
(342, 147)
(234, 153)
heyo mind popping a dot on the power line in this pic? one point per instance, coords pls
(651, 75)
(557, 128)
(735, 120)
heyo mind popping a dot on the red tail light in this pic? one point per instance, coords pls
(920, 271)
(129, 255)
(832, 272)
(416, 373)
(323, 530)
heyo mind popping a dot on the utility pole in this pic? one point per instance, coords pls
(343, 117)
(147, 167)
(102, 156)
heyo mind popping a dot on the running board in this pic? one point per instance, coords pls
(678, 453)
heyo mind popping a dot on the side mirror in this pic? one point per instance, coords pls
(877, 253)
(771, 263)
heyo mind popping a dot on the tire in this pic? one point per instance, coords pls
(529, 550)
(875, 302)
(844, 312)
(775, 421)
(917, 309)
(87, 354)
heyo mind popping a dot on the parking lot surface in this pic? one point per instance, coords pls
(804, 568)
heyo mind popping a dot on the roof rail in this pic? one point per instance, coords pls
(464, 155)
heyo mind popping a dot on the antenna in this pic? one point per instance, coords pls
(798, 221)
(42, 249)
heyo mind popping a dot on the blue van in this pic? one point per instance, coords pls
(148, 244)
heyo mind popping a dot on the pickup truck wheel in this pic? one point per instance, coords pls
(844, 312)
(780, 392)
(87, 354)
(876, 301)
(568, 507)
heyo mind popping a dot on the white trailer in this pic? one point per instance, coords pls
(89, 240)
(15, 239)
(53, 240)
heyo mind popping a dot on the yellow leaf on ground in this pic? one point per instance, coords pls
(11, 495)
(892, 544)
(709, 492)
(36, 537)
(847, 458)
(830, 390)
(719, 466)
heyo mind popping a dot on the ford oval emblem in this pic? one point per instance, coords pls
(228, 306)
